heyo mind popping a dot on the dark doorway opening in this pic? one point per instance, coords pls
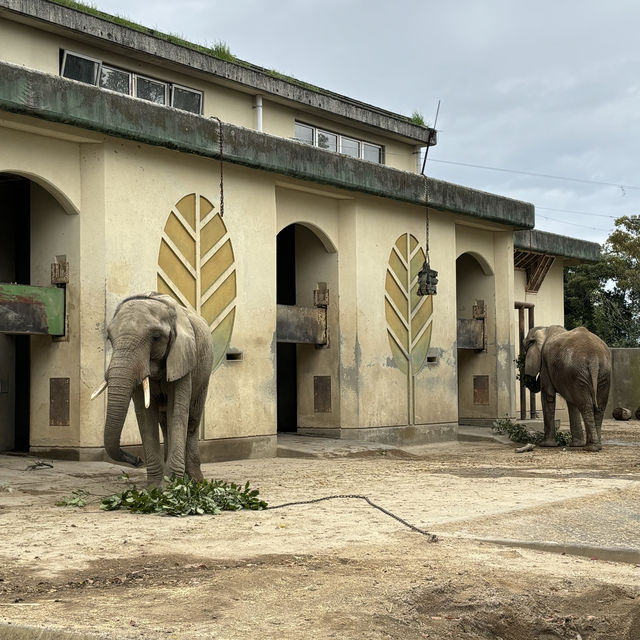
(15, 267)
(286, 360)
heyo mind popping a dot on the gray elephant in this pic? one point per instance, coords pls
(162, 358)
(577, 365)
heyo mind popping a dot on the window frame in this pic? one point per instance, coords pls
(131, 75)
(133, 81)
(140, 76)
(362, 144)
(175, 85)
(66, 53)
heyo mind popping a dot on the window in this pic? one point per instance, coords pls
(91, 71)
(327, 140)
(350, 147)
(151, 90)
(304, 133)
(115, 79)
(80, 68)
(311, 135)
(372, 152)
(186, 99)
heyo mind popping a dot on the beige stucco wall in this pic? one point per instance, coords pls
(149, 183)
(548, 310)
(436, 394)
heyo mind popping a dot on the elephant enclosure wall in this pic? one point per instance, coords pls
(625, 380)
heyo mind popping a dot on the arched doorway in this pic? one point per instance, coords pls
(476, 321)
(36, 232)
(306, 363)
(15, 267)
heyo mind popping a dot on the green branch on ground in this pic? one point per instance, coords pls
(518, 432)
(180, 497)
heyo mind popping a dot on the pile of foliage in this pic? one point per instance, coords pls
(518, 432)
(181, 496)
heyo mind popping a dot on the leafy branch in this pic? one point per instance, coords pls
(518, 432)
(180, 497)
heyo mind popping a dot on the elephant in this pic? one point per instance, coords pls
(162, 358)
(577, 365)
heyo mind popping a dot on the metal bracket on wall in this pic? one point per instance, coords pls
(60, 279)
(304, 325)
(472, 333)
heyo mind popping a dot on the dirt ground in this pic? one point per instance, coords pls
(340, 568)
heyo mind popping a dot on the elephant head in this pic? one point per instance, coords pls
(152, 338)
(532, 346)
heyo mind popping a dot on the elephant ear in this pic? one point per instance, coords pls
(182, 354)
(533, 360)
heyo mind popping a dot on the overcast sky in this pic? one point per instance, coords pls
(548, 87)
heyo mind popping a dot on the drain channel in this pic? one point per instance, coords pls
(611, 554)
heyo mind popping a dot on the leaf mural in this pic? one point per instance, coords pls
(408, 314)
(196, 266)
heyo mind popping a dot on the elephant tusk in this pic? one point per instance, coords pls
(99, 390)
(145, 388)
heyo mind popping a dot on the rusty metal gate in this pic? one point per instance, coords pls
(29, 310)
(304, 325)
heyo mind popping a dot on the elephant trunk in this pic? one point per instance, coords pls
(532, 383)
(122, 380)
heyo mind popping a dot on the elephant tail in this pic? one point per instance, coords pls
(594, 371)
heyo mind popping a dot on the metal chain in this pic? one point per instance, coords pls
(431, 536)
(221, 136)
(426, 217)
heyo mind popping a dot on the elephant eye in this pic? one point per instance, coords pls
(155, 337)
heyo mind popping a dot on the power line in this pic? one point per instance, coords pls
(537, 175)
(582, 213)
(572, 224)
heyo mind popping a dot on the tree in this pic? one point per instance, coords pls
(605, 297)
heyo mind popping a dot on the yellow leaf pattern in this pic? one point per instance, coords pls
(196, 266)
(408, 315)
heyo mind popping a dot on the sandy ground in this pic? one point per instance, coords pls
(539, 545)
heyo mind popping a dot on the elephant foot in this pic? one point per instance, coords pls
(593, 447)
(548, 443)
(577, 443)
(195, 475)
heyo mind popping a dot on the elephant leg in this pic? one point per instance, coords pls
(162, 415)
(148, 426)
(593, 439)
(598, 415)
(178, 400)
(192, 459)
(549, 413)
(598, 411)
(575, 421)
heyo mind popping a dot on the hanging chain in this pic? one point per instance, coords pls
(221, 137)
(426, 218)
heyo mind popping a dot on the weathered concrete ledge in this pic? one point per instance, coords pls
(259, 80)
(56, 99)
(219, 450)
(556, 245)
(400, 435)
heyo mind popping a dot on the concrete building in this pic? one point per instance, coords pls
(291, 217)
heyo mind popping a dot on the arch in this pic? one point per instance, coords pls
(327, 242)
(307, 378)
(476, 354)
(64, 201)
(487, 270)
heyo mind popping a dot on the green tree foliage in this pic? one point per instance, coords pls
(605, 297)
